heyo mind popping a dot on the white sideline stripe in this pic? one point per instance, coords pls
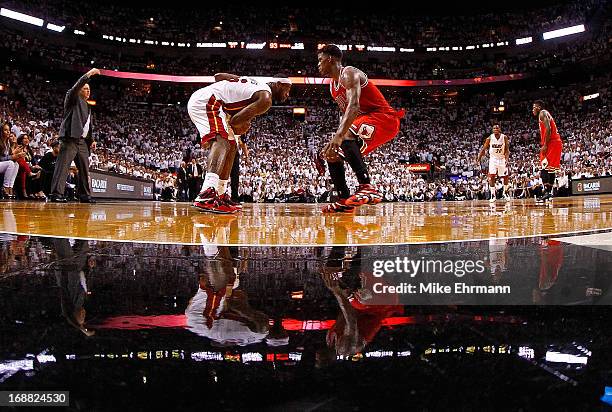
(607, 230)
(601, 241)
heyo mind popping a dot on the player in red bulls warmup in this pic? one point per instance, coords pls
(241, 99)
(368, 121)
(550, 152)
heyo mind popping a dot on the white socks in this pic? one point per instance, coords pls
(210, 180)
(222, 187)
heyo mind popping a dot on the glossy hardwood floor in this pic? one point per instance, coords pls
(304, 224)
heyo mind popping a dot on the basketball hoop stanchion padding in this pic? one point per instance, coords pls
(317, 80)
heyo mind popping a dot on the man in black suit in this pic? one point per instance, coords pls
(72, 269)
(194, 176)
(182, 184)
(76, 141)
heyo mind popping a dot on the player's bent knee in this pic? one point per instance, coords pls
(335, 159)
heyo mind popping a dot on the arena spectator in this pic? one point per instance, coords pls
(26, 173)
(8, 166)
(47, 165)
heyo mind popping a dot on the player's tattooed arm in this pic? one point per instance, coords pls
(226, 76)
(351, 81)
(545, 118)
(482, 151)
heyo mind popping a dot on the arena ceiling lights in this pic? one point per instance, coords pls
(26, 18)
(563, 32)
(55, 27)
(524, 40)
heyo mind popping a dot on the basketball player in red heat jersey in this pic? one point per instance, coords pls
(550, 152)
(368, 121)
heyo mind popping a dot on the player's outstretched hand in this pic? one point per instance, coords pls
(331, 149)
(245, 150)
(93, 72)
(241, 128)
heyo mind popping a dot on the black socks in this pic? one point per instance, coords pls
(354, 158)
(338, 177)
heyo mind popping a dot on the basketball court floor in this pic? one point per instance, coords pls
(304, 225)
(150, 298)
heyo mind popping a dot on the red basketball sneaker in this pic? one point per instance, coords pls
(213, 204)
(216, 206)
(227, 199)
(365, 194)
(207, 194)
(338, 207)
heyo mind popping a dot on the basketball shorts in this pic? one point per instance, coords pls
(498, 167)
(553, 155)
(208, 116)
(375, 129)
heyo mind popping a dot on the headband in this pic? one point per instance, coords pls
(283, 80)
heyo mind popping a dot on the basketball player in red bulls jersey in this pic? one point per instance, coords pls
(550, 152)
(368, 121)
(239, 99)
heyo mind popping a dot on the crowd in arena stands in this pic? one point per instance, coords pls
(448, 139)
(572, 51)
(295, 23)
(151, 141)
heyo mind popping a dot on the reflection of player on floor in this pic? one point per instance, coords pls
(221, 312)
(551, 262)
(550, 153)
(368, 121)
(498, 258)
(499, 153)
(358, 322)
(242, 98)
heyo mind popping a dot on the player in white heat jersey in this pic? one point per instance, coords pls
(499, 153)
(219, 111)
